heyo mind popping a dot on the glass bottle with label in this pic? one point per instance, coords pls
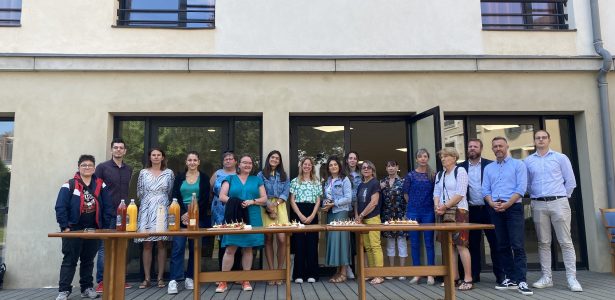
(161, 218)
(131, 216)
(174, 217)
(193, 214)
(120, 224)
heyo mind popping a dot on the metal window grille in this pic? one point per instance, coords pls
(167, 14)
(524, 14)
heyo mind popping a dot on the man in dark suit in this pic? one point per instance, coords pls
(475, 165)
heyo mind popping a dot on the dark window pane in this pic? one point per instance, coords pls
(6, 154)
(168, 13)
(527, 15)
(248, 139)
(133, 133)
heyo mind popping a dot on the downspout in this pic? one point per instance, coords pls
(603, 93)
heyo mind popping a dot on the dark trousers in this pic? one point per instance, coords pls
(74, 250)
(177, 258)
(479, 214)
(509, 231)
(306, 247)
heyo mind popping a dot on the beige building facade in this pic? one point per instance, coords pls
(70, 77)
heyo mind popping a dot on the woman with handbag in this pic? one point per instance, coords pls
(451, 206)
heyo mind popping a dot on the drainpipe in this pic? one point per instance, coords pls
(603, 93)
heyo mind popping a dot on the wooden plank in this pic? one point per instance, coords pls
(405, 271)
(334, 290)
(242, 275)
(259, 290)
(321, 291)
(308, 291)
(390, 291)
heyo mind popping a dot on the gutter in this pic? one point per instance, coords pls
(603, 94)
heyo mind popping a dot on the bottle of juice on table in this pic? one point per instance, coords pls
(174, 218)
(131, 216)
(120, 224)
(193, 214)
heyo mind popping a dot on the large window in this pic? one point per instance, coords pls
(167, 13)
(524, 14)
(6, 150)
(10, 12)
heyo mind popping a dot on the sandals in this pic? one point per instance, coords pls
(161, 283)
(465, 286)
(145, 284)
(271, 282)
(458, 282)
(377, 280)
(338, 279)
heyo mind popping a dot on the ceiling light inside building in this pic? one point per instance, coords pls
(329, 128)
(402, 149)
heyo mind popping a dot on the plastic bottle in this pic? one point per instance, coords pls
(131, 216)
(161, 218)
(193, 214)
(174, 217)
(120, 224)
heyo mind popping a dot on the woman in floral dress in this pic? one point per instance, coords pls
(394, 208)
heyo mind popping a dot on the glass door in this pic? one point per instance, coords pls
(424, 132)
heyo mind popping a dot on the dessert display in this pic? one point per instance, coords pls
(345, 223)
(401, 222)
(286, 225)
(229, 226)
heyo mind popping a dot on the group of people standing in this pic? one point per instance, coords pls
(477, 191)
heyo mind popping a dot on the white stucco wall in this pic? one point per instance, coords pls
(300, 27)
(78, 109)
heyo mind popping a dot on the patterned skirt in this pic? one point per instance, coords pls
(460, 238)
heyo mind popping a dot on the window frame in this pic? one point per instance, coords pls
(8, 9)
(527, 14)
(125, 9)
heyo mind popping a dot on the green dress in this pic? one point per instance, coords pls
(247, 191)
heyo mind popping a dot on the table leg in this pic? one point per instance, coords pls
(359, 266)
(447, 257)
(288, 275)
(114, 276)
(197, 268)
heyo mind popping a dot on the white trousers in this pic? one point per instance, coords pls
(558, 214)
(402, 247)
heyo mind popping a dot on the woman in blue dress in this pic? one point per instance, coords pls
(251, 191)
(229, 167)
(418, 191)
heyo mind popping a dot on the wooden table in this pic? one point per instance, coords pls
(446, 269)
(116, 247)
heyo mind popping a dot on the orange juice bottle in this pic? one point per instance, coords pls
(131, 216)
(174, 218)
(193, 214)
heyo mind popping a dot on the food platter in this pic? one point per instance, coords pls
(229, 226)
(285, 225)
(345, 224)
(401, 223)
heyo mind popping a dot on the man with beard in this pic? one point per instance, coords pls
(550, 184)
(475, 166)
(116, 174)
(504, 184)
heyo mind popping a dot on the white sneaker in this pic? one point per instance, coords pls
(349, 273)
(311, 280)
(543, 282)
(298, 280)
(402, 278)
(574, 285)
(63, 295)
(189, 284)
(388, 278)
(172, 289)
(89, 293)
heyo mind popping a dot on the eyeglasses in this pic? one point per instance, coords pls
(541, 138)
(86, 166)
(366, 168)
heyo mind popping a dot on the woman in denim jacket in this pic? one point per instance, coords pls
(337, 192)
(277, 186)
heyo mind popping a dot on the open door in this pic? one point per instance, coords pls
(424, 131)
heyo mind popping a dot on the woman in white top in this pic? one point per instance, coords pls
(451, 205)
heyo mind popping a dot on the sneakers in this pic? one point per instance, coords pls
(574, 285)
(388, 278)
(414, 280)
(99, 287)
(311, 280)
(172, 289)
(349, 273)
(189, 284)
(299, 280)
(222, 287)
(543, 282)
(524, 289)
(245, 286)
(506, 285)
(89, 293)
(63, 295)
(402, 278)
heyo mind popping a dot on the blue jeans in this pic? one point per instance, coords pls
(415, 244)
(100, 262)
(177, 258)
(509, 231)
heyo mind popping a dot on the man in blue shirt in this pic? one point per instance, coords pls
(475, 166)
(504, 183)
(550, 184)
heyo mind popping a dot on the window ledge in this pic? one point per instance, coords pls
(524, 30)
(10, 25)
(157, 27)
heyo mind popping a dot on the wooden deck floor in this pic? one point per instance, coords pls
(595, 285)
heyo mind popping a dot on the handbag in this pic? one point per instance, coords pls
(450, 215)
